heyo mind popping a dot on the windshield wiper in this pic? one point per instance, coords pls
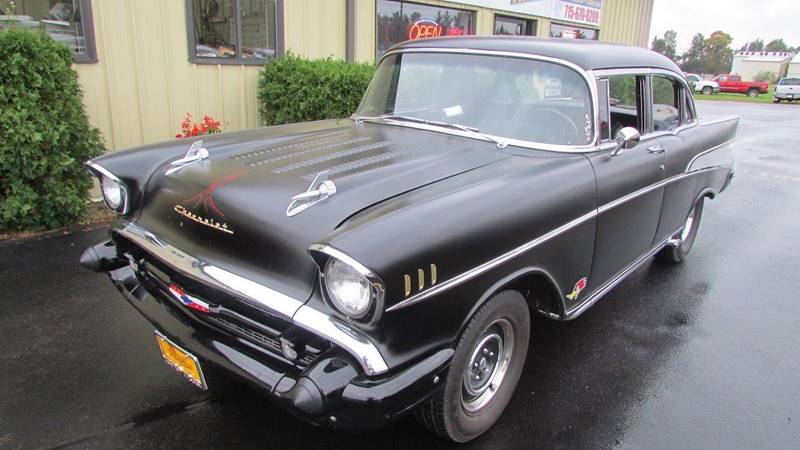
(472, 130)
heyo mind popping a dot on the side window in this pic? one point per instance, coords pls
(602, 101)
(688, 107)
(723, 78)
(625, 100)
(666, 103)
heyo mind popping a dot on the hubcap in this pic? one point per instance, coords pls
(487, 366)
(687, 227)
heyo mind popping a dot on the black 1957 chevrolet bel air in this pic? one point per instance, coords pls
(360, 269)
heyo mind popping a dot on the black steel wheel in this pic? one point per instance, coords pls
(681, 244)
(484, 372)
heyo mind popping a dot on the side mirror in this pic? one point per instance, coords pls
(626, 139)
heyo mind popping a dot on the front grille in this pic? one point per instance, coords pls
(229, 314)
(268, 342)
(272, 343)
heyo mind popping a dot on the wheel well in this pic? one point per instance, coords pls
(541, 294)
(708, 193)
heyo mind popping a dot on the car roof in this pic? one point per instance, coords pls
(589, 55)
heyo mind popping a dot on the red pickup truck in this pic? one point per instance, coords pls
(734, 83)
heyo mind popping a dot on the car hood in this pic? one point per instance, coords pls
(230, 209)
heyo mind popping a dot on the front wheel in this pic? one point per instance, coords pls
(752, 92)
(681, 244)
(707, 90)
(484, 372)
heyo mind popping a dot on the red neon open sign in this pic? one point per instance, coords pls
(424, 29)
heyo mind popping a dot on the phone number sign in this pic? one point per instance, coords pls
(576, 11)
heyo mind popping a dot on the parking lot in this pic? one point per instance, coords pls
(699, 355)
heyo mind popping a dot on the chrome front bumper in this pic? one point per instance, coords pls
(331, 390)
(350, 339)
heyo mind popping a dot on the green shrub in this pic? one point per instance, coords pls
(292, 89)
(766, 77)
(44, 134)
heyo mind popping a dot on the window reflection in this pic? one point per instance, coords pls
(572, 32)
(214, 28)
(513, 26)
(61, 19)
(400, 21)
(219, 30)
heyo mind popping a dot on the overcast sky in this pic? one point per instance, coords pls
(744, 20)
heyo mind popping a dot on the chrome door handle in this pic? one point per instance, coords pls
(656, 149)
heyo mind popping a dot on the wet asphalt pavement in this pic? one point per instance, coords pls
(700, 355)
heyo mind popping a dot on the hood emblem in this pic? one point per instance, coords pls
(320, 189)
(205, 200)
(195, 153)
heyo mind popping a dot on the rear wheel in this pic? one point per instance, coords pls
(483, 374)
(681, 244)
(707, 90)
(752, 92)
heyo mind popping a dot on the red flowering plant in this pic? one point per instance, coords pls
(207, 126)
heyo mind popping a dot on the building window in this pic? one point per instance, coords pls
(573, 32)
(66, 21)
(513, 26)
(400, 21)
(232, 31)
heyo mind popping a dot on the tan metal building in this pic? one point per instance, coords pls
(144, 64)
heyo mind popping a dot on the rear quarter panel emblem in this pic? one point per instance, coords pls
(576, 291)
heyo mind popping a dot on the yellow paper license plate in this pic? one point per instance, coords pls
(183, 361)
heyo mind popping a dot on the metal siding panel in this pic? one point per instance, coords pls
(543, 27)
(316, 28)
(152, 80)
(96, 99)
(365, 30)
(251, 85)
(181, 73)
(120, 64)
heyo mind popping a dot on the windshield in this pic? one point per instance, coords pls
(506, 97)
(790, 82)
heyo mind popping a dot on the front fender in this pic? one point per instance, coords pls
(459, 240)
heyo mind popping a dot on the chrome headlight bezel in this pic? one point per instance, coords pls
(325, 256)
(338, 277)
(110, 181)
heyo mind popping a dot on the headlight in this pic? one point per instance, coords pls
(114, 194)
(350, 292)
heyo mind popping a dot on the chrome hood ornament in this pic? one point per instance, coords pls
(196, 153)
(320, 189)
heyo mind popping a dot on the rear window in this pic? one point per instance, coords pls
(790, 82)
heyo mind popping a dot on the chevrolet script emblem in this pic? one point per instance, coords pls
(205, 200)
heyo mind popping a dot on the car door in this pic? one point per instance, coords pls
(678, 136)
(629, 194)
(721, 80)
(736, 81)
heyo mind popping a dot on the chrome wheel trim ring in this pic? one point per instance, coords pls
(490, 370)
(687, 226)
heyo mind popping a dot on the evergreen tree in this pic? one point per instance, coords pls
(692, 59)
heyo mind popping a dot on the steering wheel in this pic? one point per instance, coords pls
(564, 119)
